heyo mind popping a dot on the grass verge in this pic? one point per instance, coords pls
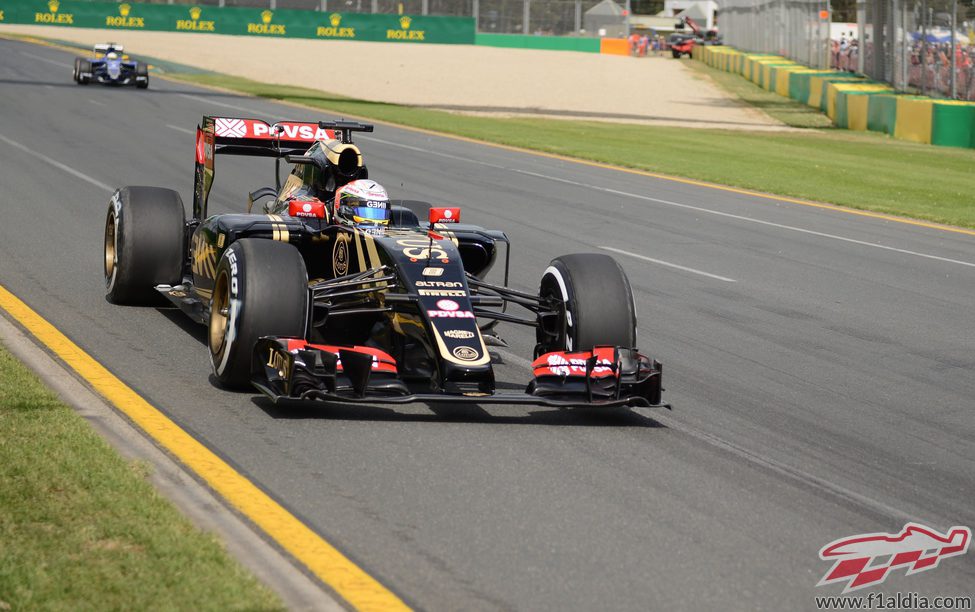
(82, 529)
(786, 110)
(860, 170)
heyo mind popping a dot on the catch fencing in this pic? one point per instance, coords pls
(796, 29)
(927, 46)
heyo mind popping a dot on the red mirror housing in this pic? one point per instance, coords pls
(444, 215)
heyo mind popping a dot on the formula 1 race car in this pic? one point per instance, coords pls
(110, 66)
(304, 305)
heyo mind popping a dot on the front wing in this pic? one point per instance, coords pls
(293, 369)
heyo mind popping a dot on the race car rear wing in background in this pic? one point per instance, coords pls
(255, 137)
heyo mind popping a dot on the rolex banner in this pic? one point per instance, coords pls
(240, 21)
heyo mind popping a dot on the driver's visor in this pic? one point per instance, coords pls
(365, 214)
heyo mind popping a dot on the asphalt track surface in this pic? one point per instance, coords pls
(820, 364)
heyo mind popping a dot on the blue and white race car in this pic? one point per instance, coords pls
(109, 65)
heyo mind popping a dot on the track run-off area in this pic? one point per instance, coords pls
(819, 362)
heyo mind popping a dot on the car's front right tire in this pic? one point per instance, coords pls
(261, 289)
(143, 244)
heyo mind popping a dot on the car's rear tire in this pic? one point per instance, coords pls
(675, 53)
(84, 66)
(261, 289)
(142, 75)
(143, 243)
(77, 69)
(598, 304)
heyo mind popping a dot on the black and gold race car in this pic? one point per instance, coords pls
(305, 307)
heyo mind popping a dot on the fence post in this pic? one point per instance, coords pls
(954, 24)
(525, 16)
(578, 15)
(477, 15)
(374, 7)
(425, 7)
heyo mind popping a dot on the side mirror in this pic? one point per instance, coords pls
(444, 215)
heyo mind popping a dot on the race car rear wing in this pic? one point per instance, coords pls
(255, 137)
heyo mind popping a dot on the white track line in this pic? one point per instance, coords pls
(670, 265)
(708, 211)
(224, 104)
(44, 59)
(76, 173)
(181, 129)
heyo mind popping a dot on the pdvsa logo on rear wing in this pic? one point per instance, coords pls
(230, 127)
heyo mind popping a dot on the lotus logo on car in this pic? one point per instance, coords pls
(405, 33)
(54, 16)
(123, 19)
(266, 27)
(465, 353)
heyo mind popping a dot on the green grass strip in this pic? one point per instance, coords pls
(860, 170)
(82, 529)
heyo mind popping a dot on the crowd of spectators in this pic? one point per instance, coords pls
(929, 65)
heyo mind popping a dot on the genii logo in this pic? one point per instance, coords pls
(865, 560)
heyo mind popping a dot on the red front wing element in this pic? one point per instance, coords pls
(294, 369)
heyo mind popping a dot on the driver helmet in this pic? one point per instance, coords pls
(361, 202)
(112, 55)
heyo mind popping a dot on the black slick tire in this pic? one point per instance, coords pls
(77, 69)
(84, 66)
(143, 244)
(142, 75)
(261, 289)
(598, 303)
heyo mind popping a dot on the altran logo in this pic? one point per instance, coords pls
(865, 560)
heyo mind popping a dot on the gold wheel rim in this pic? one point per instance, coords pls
(219, 313)
(110, 253)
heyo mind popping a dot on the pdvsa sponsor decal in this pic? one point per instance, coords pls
(54, 16)
(194, 23)
(334, 29)
(405, 33)
(450, 314)
(458, 334)
(465, 353)
(867, 559)
(449, 309)
(266, 27)
(229, 127)
(124, 19)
